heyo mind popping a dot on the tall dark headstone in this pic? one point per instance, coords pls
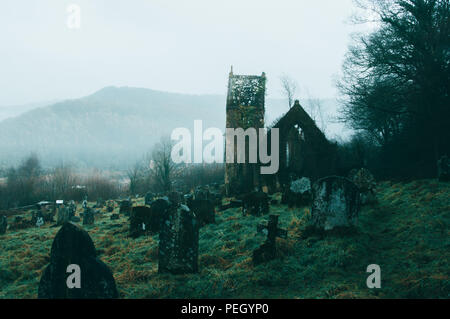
(73, 246)
(178, 239)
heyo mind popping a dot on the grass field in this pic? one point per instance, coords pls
(406, 233)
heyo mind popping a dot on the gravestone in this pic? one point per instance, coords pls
(203, 208)
(149, 198)
(88, 216)
(336, 203)
(63, 215)
(178, 239)
(139, 221)
(255, 203)
(298, 194)
(72, 209)
(73, 246)
(3, 224)
(267, 251)
(159, 209)
(115, 217)
(365, 181)
(443, 166)
(125, 207)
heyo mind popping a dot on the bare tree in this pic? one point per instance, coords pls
(162, 168)
(289, 88)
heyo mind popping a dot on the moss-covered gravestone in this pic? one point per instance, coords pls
(178, 239)
(336, 203)
(73, 254)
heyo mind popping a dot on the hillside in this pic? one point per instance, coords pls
(406, 233)
(113, 127)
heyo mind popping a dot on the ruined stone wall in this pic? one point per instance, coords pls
(245, 109)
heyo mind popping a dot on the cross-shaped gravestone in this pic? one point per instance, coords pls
(267, 251)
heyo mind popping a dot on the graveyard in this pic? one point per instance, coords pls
(405, 231)
(233, 150)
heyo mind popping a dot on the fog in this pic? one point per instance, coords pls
(175, 46)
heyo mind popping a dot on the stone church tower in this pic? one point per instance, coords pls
(245, 109)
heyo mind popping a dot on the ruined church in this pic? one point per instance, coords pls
(304, 151)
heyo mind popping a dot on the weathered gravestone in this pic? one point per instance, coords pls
(73, 246)
(178, 239)
(88, 216)
(126, 207)
(63, 215)
(139, 221)
(298, 194)
(268, 250)
(203, 208)
(336, 203)
(365, 181)
(159, 209)
(3, 224)
(255, 203)
(443, 166)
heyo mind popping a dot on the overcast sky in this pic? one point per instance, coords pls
(177, 46)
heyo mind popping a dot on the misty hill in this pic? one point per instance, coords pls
(111, 128)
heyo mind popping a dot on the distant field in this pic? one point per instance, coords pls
(407, 233)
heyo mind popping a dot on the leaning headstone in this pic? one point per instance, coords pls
(256, 204)
(336, 203)
(178, 240)
(3, 224)
(267, 251)
(71, 247)
(63, 215)
(443, 166)
(88, 216)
